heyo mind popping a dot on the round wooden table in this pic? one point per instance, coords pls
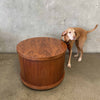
(41, 62)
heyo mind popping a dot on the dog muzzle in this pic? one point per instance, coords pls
(70, 36)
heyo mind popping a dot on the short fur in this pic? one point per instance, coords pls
(80, 36)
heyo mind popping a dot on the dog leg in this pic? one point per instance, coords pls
(76, 55)
(69, 60)
(76, 43)
(80, 58)
(81, 43)
(70, 53)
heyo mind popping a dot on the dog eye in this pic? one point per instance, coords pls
(69, 32)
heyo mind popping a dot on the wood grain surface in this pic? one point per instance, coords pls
(41, 48)
(41, 62)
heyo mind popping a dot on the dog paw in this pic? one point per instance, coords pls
(76, 55)
(80, 59)
(69, 65)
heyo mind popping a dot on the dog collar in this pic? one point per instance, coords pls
(67, 42)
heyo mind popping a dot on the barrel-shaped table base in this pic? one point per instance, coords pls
(42, 75)
(43, 87)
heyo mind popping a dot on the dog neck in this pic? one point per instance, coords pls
(67, 43)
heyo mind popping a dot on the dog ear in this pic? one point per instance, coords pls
(64, 33)
(76, 34)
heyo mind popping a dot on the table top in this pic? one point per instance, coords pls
(41, 48)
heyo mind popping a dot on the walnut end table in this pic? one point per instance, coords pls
(41, 62)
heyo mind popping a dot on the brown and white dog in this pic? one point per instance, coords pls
(77, 35)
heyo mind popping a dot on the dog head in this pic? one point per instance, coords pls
(69, 34)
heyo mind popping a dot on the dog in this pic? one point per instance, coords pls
(77, 35)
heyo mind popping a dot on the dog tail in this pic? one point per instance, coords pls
(92, 29)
